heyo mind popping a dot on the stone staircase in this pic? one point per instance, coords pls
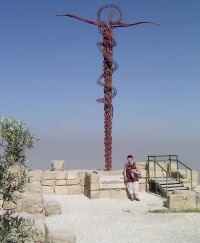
(167, 188)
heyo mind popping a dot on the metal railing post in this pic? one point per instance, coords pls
(170, 166)
(154, 168)
(155, 173)
(177, 169)
(167, 183)
(148, 169)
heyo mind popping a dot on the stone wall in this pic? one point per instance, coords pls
(59, 182)
(87, 182)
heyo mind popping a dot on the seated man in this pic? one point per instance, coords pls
(131, 178)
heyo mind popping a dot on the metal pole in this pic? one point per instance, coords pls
(148, 169)
(170, 163)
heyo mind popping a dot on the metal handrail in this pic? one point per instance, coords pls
(152, 158)
(167, 173)
(162, 155)
(182, 164)
(158, 164)
(170, 158)
(178, 161)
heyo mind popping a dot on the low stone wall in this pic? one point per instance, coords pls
(91, 183)
(58, 182)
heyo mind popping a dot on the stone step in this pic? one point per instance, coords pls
(163, 180)
(172, 185)
(170, 190)
(169, 183)
(177, 188)
(174, 188)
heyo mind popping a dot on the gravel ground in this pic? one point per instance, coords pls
(123, 221)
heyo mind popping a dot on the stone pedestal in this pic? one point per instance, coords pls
(57, 165)
(182, 200)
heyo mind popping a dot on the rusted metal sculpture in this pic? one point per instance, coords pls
(105, 80)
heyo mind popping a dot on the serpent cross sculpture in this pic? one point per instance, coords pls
(109, 66)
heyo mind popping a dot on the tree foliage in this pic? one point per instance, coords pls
(15, 139)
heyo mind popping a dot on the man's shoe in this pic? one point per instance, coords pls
(137, 199)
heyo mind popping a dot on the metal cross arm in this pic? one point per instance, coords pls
(113, 24)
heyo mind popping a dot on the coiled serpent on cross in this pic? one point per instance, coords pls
(106, 46)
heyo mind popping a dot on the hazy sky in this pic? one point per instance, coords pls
(48, 71)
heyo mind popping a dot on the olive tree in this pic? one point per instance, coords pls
(15, 139)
